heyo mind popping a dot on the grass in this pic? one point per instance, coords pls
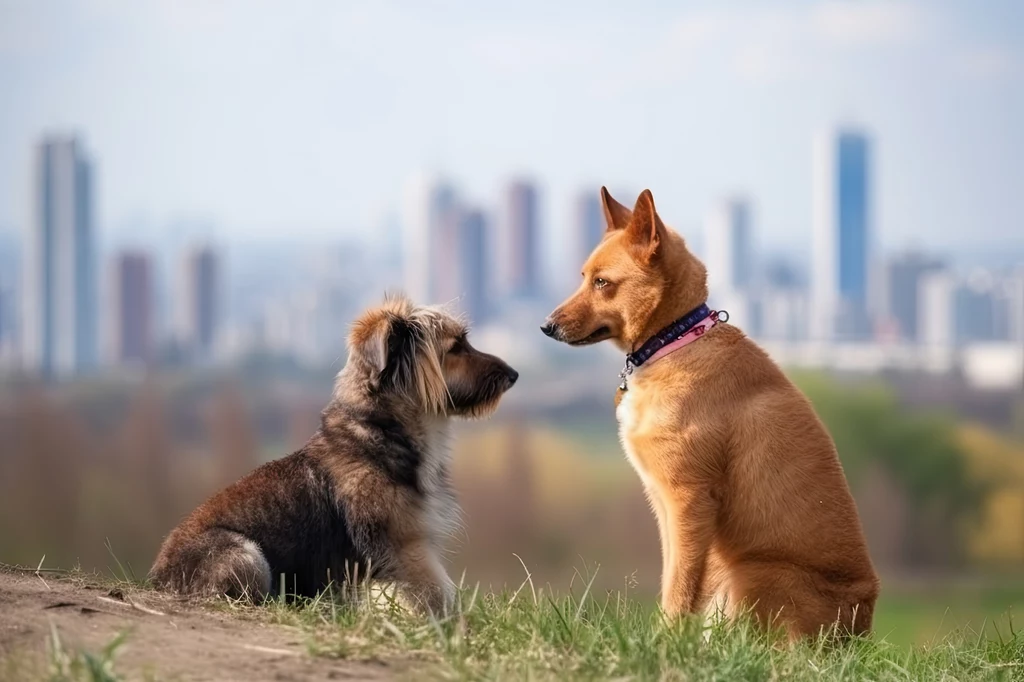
(82, 666)
(536, 634)
(65, 664)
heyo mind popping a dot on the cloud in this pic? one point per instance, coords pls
(26, 30)
(867, 23)
(992, 62)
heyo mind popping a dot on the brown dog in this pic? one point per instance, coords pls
(751, 501)
(370, 488)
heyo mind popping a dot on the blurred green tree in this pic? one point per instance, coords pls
(918, 452)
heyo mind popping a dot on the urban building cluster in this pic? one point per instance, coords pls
(73, 310)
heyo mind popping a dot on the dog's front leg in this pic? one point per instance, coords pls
(422, 579)
(664, 530)
(691, 514)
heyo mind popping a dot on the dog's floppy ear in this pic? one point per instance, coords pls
(616, 215)
(645, 231)
(386, 343)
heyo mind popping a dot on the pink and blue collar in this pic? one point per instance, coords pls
(682, 332)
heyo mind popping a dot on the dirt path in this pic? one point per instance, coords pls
(168, 639)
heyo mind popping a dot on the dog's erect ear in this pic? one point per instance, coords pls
(400, 363)
(616, 215)
(646, 230)
(386, 343)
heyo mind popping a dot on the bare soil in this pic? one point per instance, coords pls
(168, 638)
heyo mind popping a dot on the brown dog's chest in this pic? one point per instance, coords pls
(643, 422)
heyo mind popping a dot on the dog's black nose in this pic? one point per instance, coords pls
(513, 376)
(549, 329)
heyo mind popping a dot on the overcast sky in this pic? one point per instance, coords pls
(307, 117)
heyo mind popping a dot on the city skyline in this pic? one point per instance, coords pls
(487, 263)
(533, 91)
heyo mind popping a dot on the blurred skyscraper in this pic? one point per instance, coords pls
(429, 203)
(59, 296)
(956, 310)
(6, 323)
(729, 258)
(131, 308)
(461, 257)
(518, 253)
(589, 228)
(728, 248)
(903, 275)
(197, 302)
(473, 264)
(841, 235)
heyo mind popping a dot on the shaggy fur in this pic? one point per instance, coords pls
(751, 501)
(370, 489)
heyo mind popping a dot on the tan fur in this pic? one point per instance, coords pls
(751, 502)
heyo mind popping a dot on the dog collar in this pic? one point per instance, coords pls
(683, 331)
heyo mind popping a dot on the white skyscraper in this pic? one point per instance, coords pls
(429, 201)
(935, 312)
(728, 248)
(728, 251)
(841, 239)
(59, 307)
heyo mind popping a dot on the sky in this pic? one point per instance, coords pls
(304, 120)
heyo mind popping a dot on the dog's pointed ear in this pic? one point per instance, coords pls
(386, 344)
(646, 229)
(616, 215)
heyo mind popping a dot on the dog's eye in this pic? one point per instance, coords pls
(600, 282)
(458, 347)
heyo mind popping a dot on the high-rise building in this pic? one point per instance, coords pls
(958, 310)
(903, 276)
(1015, 305)
(461, 261)
(841, 235)
(59, 306)
(473, 264)
(728, 256)
(935, 319)
(197, 302)
(131, 308)
(518, 253)
(429, 205)
(9, 268)
(6, 321)
(589, 226)
(728, 247)
(981, 309)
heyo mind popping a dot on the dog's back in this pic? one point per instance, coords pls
(283, 519)
(787, 541)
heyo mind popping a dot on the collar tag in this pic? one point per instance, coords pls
(626, 371)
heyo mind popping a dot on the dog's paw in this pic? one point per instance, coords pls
(434, 600)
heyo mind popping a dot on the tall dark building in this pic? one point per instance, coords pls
(903, 277)
(842, 234)
(132, 298)
(461, 245)
(589, 227)
(198, 318)
(518, 251)
(473, 264)
(59, 307)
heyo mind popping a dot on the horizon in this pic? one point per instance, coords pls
(658, 97)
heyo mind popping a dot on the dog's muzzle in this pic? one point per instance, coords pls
(552, 330)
